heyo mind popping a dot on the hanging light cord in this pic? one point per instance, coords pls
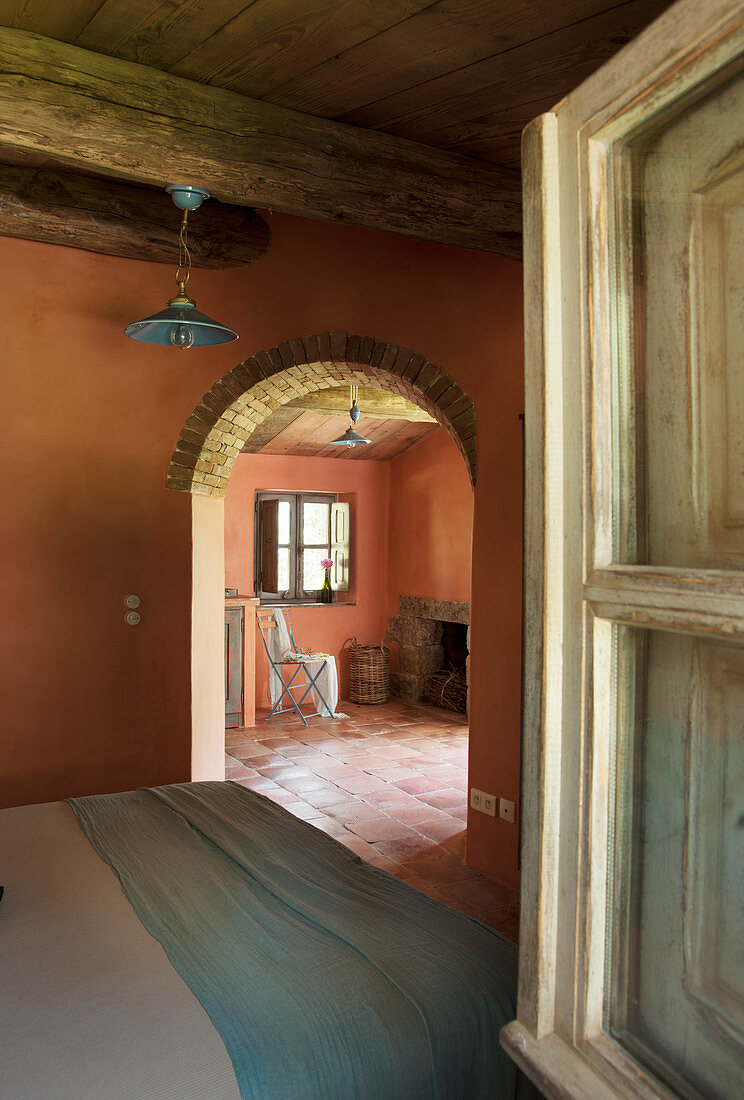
(183, 271)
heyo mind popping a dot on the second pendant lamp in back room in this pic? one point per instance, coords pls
(350, 437)
(181, 325)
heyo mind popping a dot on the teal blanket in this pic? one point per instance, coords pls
(326, 978)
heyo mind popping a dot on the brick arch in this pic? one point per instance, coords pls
(219, 426)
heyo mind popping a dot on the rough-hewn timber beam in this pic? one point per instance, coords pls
(120, 219)
(375, 404)
(138, 124)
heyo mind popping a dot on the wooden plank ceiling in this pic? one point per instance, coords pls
(307, 425)
(463, 76)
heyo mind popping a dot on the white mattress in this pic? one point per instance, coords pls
(90, 1007)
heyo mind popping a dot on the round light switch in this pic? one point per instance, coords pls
(132, 618)
(132, 601)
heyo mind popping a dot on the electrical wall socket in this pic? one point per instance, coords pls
(507, 810)
(480, 800)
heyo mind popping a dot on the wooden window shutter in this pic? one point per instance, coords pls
(268, 519)
(340, 525)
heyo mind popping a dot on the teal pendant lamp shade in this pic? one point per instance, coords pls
(350, 438)
(181, 325)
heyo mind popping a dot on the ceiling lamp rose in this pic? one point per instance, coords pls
(350, 437)
(181, 325)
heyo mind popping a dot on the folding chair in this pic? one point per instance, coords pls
(266, 623)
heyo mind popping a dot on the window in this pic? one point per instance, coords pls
(294, 531)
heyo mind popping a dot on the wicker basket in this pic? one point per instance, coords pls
(369, 673)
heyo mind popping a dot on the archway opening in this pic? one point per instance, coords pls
(215, 434)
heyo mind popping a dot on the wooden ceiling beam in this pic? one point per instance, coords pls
(119, 219)
(130, 122)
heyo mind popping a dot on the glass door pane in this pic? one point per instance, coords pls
(680, 360)
(676, 998)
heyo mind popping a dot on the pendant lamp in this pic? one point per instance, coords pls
(350, 437)
(181, 325)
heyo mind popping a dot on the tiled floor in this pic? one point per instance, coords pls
(390, 783)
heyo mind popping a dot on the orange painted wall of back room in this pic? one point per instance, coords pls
(431, 523)
(90, 704)
(325, 629)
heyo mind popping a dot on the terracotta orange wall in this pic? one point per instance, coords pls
(431, 523)
(326, 629)
(90, 704)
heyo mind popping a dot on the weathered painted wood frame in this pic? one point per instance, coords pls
(574, 593)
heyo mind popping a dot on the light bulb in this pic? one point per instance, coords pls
(182, 336)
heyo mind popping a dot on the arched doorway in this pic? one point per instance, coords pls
(215, 432)
(214, 435)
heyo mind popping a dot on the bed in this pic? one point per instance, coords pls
(198, 941)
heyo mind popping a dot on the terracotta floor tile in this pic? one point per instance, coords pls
(417, 811)
(304, 810)
(387, 864)
(386, 829)
(483, 894)
(406, 849)
(333, 769)
(505, 921)
(456, 844)
(326, 796)
(328, 825)
(357, 845)
(449, 799)
(280, 772)
(239, 771)
(305, 782)
(440, 830)
(393, 773)
(390, 797)
(421, 785)
(362, 784)
(461, 815)
(258, 784)
(350, 812)
(254, 760)
(282, 797)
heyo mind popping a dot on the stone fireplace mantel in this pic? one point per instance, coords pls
(417, 629)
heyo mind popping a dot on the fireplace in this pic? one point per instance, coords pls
(422, 628)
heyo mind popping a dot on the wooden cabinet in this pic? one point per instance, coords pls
(234, 679)
(240, 650)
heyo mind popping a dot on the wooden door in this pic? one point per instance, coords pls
(233, 667)
(632, 935)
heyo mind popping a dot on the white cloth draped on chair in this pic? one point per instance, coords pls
(281, 648)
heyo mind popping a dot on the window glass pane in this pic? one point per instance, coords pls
(312, 571)
(315, 518)
(284, 522)
(680, 337)
(283, 571)
(676, 995)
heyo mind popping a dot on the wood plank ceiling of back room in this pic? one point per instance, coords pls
(464, 76)
(306, 426)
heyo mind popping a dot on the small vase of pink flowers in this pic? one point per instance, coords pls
(326, 592)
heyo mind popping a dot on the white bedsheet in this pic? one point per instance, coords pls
(90, 1007)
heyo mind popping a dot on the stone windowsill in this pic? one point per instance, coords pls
(309, 603)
